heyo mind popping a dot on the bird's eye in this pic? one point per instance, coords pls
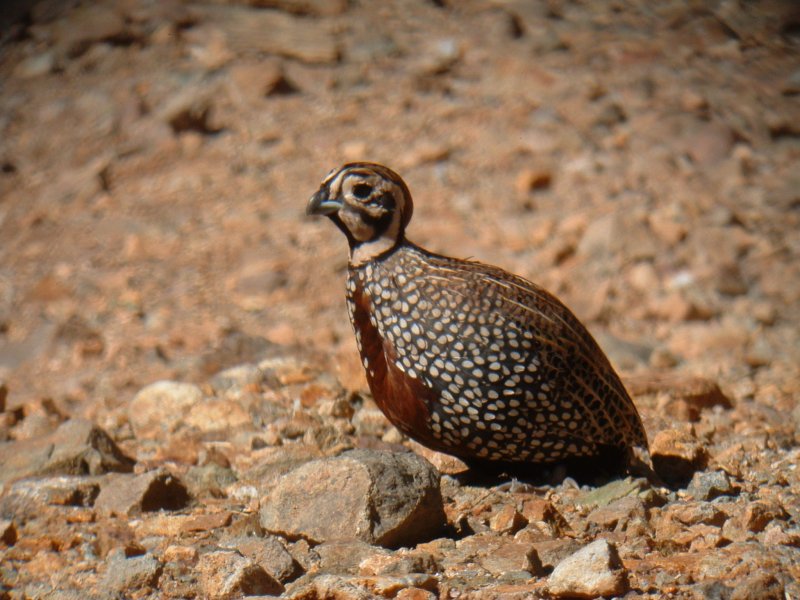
(362, 190)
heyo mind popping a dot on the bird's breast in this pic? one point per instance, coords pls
(403, 399)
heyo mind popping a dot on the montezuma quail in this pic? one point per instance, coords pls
(466, 358)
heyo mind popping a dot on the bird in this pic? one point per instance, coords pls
(466, 358)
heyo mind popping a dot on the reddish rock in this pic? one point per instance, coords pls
(226, 574)
(677, 455)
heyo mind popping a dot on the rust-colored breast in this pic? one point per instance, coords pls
(403, 399)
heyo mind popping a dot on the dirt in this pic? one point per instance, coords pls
(638, 159)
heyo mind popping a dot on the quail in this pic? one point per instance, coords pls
(463, 357)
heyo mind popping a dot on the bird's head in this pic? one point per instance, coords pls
(370, 203)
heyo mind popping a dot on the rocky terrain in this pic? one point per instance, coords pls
(182, 408)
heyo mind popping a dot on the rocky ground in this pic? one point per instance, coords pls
(182, 409)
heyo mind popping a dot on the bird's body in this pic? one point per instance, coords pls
(467, 358)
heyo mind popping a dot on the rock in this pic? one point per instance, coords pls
(36, 65)
(552, 552)
(208, 46)
(246, 29)
(206, 522)
(532, 180)
(227, 574)
(541, 514)
(77, 447)
(135, 574)
(319, 8)
(345, 556)
(349, 587)
(398, 563)
(87, 25)
(126, 495)
(512, 557)
(757, 515)
(26, 497)
(764, 586)
(694, 513)
(709, 143)
(269, 554)
(617, 514)
(613, 491)
(683, 397)
(218, 415)
(507, 520)
(8, 532)
(159, 409)
(209, 480)
(378, 497)
(594, 570)
(677, 455)
(710, 485)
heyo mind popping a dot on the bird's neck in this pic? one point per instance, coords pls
(365, 252)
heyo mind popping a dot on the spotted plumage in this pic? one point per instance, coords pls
(466, 358)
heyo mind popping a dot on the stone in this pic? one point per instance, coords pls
(512, 557)
(319, 8)
(617, 514)
(757, 515)
(210, 480)
(552, 552)
(344, 556)
(36, 65)
(709, 143)
(594, 570)
(398, 563)
(77, 447)
(218, 415)
(127, 495)
(541, 514)
(375, 496)
(8, 532)
(135, 574)
(710, 485)
(684, 397)
(677, 455)
(444, 463)
(507, 520)
(694, 513)
(86, 25)
(28, 496)
(764, 586)
(225, 574)
(271, 32)
(206, 522)
(159, 409)
(613, 491)
(269, 553)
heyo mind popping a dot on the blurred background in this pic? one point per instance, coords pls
(641, 160)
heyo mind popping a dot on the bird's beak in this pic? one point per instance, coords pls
(320, 204)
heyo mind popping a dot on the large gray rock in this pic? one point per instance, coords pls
(77, 447)
(379, 497)
(594, 570)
